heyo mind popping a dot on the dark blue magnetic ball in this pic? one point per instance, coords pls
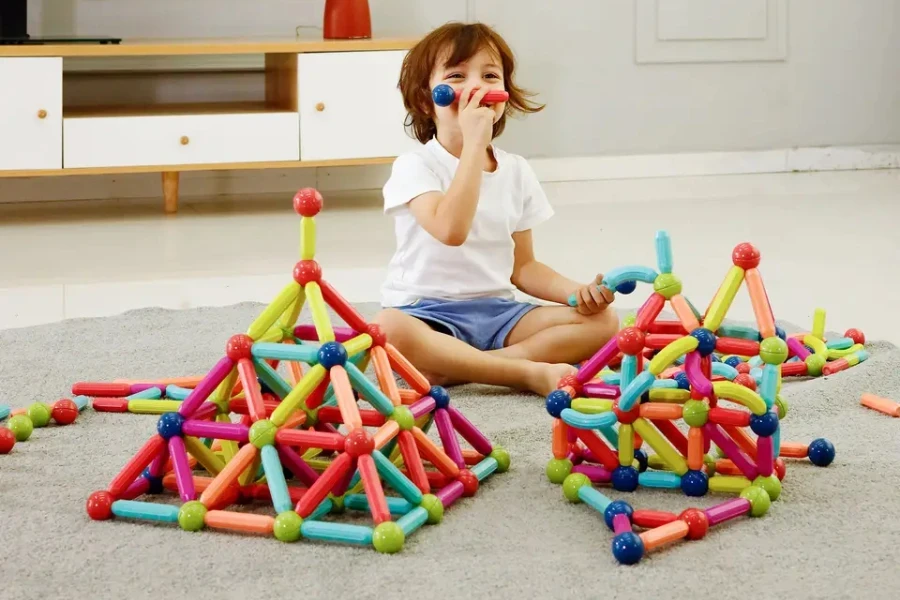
(626, 287)
(733, 361)
(627, 548)
(615, 508)
(440, 395)
(695, 483)
(558, 401)
(625, 479)
(684, 383)
(765, 424)
(643, 460)
(332, 354)
(821, 452)
(156, 483)
(169, 425)
(706, 341)
(443, 95)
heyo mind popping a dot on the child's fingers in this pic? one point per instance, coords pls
(607, 294)
(478, 96)
(597, 296)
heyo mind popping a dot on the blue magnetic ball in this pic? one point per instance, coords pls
(440, 395)
(733, 361)
(558, 401)
(627, 548)
(643, 460)
(614, 508)
(156, 483)
(695, 483)
(169, 425)
(684, 383)
(821, 452)
(765, 424)
(332, 354)
(706, 341)
(443, 95)
(625, 479)
(626, 287)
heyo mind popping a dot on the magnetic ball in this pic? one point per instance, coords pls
(498, 454)
(759, 500)
(694, 483)
(643, 460)
(169, 425)
(630, 340)
(306, 271)
(434, 507)
(572, 483)
(192, 515)
(440, 395)
(745, 256)
(21, 426)
(773, 350)
(239, 346)
(307, 202)
(821, 452)
(615, 508)
(628, 548)
(667, 285)
(746, 380)
(743, 368)
(558, 469)
(64, 411)
(155, 483)
(469, 481)
(557, 401)
(39, 414)
(570, 380)
(733, 361)
(771, 484)
(696, 521)
(404, 417)
(684, 382)
(443, 95)
(332, 354)
(359, 442)
(287, 526)
(856, 335)
(262, 433)
(780, 468)
(625, 479)
(764, 425)
(695, 413)
(7, 440)
(706, 341)
(99, 505)
(377, 334)
(626, 287)
(388, 537)
(814, 364)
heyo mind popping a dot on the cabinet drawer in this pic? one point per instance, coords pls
(180, 139)
(30, 113)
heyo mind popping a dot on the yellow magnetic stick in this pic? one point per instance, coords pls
(833, 354)
(319, 312)
(293, 313)
(715, 314)
(592, 406)
(818, 328)
(222, 394)
(655, 461)
(153, 407)
(292, 401)
(229, 447)
(626, 445)
(665, 450)
(816, 344)
(250, 472)
(670, 353)
(204, 455)
(270, 315)
(738, 393)
(307, 238)
(669, 395)
(728, 483)
(354, 346)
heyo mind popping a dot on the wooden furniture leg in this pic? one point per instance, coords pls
(170, 191)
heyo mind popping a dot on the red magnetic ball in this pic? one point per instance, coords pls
(469, 482)
(7, 440)
(780, 468)
(378, 336)
(570, 380)
(745, 256)
(64, 411)
(627, 418)
(745, 380)
(99, 505)
(306, 271)
(630, 341)
(239, 346)
(856, 335)
(697, 523)
(307, 202)
(743, 368)
(359, 442)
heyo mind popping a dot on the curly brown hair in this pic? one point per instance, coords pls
(463, 40)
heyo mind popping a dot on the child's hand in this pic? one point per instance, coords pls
(593, 298)
(475, 121)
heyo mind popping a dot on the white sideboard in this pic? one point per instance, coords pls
(325, 103)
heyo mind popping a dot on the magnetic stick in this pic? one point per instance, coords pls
(444, 95)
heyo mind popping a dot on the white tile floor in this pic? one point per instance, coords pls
(827, 240)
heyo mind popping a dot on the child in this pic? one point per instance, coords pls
(464, 211)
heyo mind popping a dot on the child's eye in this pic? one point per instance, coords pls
(454, 75)
(492, 75)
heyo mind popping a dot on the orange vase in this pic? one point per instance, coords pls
(347, 19)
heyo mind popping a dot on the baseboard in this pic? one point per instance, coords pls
(586, 168)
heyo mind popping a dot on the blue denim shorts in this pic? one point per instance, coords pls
(483, 323)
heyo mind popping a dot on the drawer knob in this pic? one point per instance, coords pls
(320, 107)
(185, 140)
(42, 114)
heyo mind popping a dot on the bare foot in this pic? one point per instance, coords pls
(545, 377)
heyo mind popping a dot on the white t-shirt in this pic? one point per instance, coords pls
(511, 200)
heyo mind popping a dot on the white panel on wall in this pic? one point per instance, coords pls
(691, 31)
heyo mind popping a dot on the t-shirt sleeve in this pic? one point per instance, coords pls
(536, 208)
(410, 177)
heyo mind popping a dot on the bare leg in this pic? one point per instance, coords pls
(447, 360)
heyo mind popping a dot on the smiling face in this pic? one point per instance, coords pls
(482, 70)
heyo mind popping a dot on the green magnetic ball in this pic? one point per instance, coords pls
(435, 508)
(404, 418)
(630, 320)
(262, 433)
(572, 484)
(388, 537)
(695, 413)
(558, 469)
(782, 405)
(191, 516)
(759, 500)
(39, 414)
(21, 426)
(814, 364)
(773, 351)
(287, 526)
(667, 285)
(502, 458)
(771, 484)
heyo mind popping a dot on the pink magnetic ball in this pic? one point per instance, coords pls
(308, 202)
(239, 346)
(745, 256)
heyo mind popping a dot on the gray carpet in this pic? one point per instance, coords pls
(832, 534)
